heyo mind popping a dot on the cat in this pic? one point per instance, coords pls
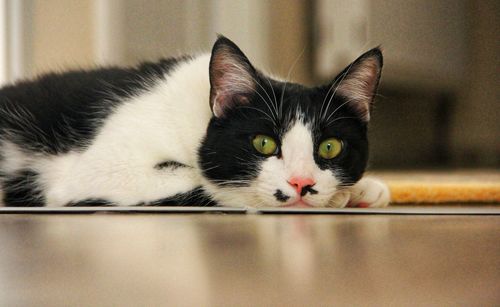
(200, 130)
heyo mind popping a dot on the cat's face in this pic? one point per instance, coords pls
(273, 143)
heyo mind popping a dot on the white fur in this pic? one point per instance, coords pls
(143, 131)
(370, 192)
(13, 158)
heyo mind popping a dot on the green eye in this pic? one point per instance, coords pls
(264, 144)
(330, 148)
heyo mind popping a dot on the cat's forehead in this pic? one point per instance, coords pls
(296, 103)
(293, 95)
(283, 92)
(289, 88)
(279, 105)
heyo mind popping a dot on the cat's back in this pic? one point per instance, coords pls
(57, 112)
(128, 136)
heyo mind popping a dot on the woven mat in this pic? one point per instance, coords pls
(443, 186)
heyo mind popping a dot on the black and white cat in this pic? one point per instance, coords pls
(201, 130)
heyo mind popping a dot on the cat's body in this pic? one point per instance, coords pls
(180, 132)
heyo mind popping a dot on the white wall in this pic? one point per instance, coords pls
(109, 32)
(62, 35)
(68, 34)
(3, 42)
(246, 23)
(169, 27)
(15, 39)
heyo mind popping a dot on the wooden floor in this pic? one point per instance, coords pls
(248, 260)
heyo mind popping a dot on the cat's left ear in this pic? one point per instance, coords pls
(358, 82)
(232, 77)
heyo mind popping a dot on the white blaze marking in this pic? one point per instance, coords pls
(298, 152)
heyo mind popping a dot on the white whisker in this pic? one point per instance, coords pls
(288, 78)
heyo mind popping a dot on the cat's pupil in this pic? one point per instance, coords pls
(328, 146)
(264, 142)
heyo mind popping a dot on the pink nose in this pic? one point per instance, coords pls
(299, 183)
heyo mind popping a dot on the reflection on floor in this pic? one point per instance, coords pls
(235, 259)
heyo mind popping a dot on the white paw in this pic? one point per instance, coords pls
(340, 199)
(369, 192)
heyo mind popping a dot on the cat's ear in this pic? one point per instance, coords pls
(232, 77)
(358, 82)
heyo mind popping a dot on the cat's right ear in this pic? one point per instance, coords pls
(232, 77)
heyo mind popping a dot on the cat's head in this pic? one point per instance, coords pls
(273, 143)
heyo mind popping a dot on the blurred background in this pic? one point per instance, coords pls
(439, 99)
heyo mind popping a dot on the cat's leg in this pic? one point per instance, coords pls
(91, 202)
(122, 186)
(340, 199)
(21, 190)
(369, 192)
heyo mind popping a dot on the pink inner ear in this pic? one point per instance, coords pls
(223, 102)
(232, 79)
(359, 86)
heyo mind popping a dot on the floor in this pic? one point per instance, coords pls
(248, 259)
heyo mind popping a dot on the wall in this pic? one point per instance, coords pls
(424, 41)
(62, 34)
(289, 46)
(3, 43)
(70, 33)
(153, 29)
(476, 133)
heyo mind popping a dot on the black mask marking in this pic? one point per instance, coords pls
(170, 164)
(308, 189)
(280, 196)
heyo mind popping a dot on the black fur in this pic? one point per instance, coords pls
(308, 189)
(170, 164)
(242, 122)
(280, 196)
(196, 197)
(21, 190)
(91, 202)
(63, 111)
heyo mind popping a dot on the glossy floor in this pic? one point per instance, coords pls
(237, 259)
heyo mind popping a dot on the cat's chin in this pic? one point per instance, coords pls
(298, 204)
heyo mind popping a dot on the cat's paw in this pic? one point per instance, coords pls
(340, 199)
(369, 192)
